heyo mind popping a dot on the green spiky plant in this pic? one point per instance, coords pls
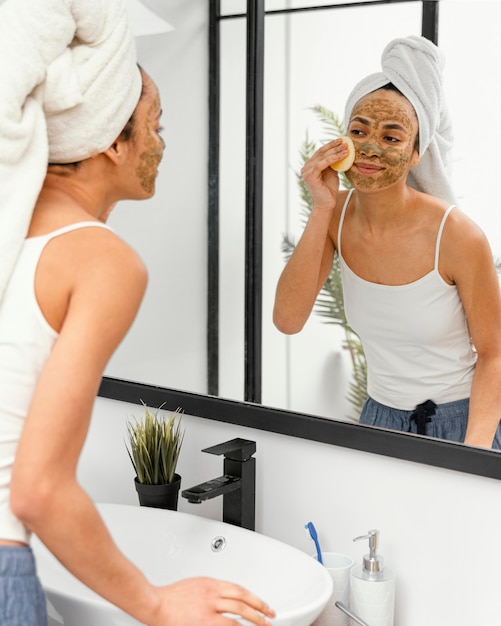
(330, 303)
(154, 446)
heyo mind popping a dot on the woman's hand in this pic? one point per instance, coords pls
(209, 602)
(311, 262)
(322, 180)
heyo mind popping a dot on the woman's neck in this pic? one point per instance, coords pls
(385, 209)
(65, 199)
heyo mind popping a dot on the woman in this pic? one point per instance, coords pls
(70, 294)
(419, 281)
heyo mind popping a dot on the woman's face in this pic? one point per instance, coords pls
(383, 128)
(146, 145)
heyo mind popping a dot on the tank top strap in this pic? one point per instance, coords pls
(341, 221)
(439, 236)
(70, 227)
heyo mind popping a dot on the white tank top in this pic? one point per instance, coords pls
(415, 336)
(26, 340)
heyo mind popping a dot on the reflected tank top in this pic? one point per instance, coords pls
(415, 336)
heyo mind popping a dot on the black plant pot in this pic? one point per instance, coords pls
(159, 496)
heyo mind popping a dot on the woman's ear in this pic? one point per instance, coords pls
(117, 152)
(415, 158)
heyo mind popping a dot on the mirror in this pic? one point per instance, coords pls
(305, 376)
(166, 345)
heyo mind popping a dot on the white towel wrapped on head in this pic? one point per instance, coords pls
(69, 84)
(414, 65)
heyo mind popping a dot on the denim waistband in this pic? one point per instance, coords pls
(444, 410)
(17, 561)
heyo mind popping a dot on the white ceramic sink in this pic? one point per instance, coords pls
(168, 546)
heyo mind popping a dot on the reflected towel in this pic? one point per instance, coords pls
(414, 65)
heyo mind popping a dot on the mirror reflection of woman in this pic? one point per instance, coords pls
(420, 285)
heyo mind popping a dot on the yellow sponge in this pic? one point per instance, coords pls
(344, 164)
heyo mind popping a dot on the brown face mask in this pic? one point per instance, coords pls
(383, 127)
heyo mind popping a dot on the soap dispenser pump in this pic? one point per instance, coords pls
(372, 586)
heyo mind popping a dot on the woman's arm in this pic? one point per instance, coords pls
(108, 285)
(311, 262)
(478, 284)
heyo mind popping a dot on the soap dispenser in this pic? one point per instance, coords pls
(372, 587)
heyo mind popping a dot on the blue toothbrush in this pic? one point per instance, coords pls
(313, 534)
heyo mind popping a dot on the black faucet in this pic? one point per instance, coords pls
(237, 485)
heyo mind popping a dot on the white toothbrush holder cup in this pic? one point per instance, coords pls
(339, 567)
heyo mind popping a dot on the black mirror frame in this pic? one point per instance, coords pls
(444, 454)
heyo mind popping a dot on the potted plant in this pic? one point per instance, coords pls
(154, 447)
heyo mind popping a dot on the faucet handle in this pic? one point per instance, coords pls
(236, 449)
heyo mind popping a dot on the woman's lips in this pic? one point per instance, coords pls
(368, 168)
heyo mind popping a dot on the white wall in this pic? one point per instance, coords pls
(439, 528)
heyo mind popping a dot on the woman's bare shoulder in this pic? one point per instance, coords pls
(464, 247)
(89, 241)
(88, 265)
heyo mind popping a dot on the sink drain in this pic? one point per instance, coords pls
(218, 544)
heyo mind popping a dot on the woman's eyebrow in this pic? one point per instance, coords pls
(394, 126)
(387, 126)
(361, 120)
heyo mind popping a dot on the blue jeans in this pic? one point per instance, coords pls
(443, 421)
(22, 599)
